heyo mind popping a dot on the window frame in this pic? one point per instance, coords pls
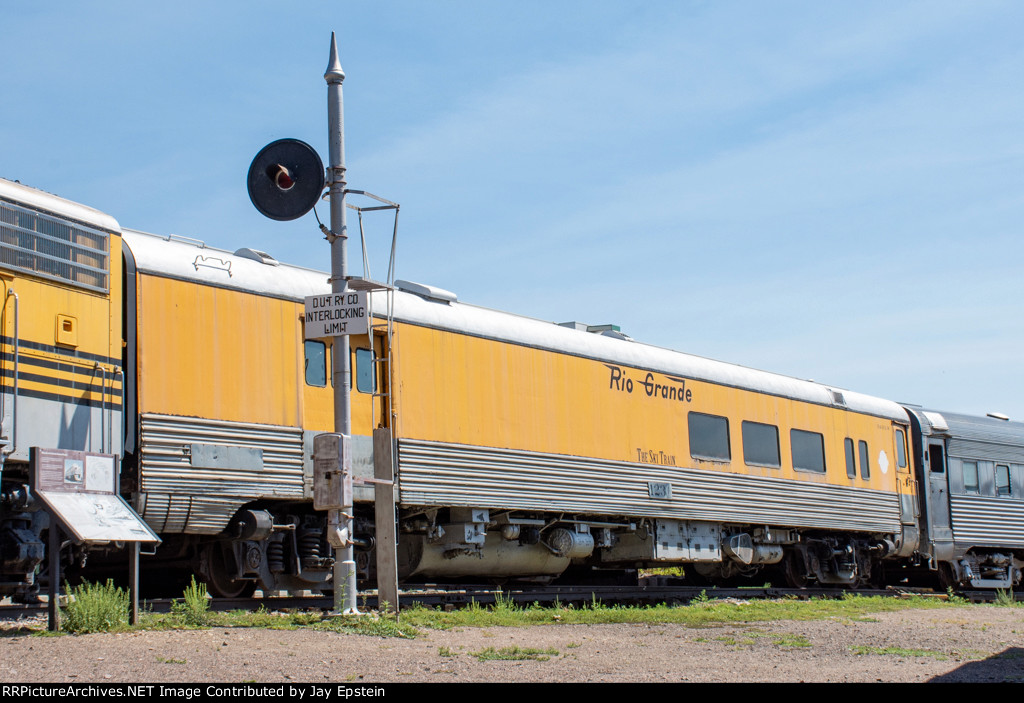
(977, 477)
(794, 433)
(1008, 493)
(743, 436)
(728, 437)
(865, 459)
(360, 359)
(851, 458)
(306, 359)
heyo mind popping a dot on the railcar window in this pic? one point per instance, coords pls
(851, 467)
(808, 450)
(316, 363)
(761, 444)
(365, 377)
(1002, 480)
(971, 477)
(865, 463)
(901, 449)
(709, 437)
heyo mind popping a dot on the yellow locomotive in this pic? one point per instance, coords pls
(60, 267)
(522, 448)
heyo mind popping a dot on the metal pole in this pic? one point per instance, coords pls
(54, 555)
(344, 559)
(133, 583)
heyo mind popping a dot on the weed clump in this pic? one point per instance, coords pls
(193, 610)
(1005, 598)
(94, 607)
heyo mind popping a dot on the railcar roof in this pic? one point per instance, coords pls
(988, 429)
(190, 260)
(48, 202)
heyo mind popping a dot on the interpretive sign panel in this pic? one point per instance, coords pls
(80, 488)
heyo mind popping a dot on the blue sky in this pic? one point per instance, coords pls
(827, 190)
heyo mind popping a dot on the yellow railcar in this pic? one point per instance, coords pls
(522, 447)
(525, 446)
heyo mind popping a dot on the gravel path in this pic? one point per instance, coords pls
(954, 644)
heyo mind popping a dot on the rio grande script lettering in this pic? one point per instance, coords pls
(661, 386)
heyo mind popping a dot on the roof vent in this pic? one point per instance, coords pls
(257, 255)
(837, 397)
(428, 292)
(612, 331)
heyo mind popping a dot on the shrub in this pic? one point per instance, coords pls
(93, 607)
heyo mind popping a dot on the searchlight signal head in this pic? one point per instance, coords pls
(286, 179)
(281, 176)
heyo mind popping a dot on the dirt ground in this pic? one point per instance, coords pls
(956, 644)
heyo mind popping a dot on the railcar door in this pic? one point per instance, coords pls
(905, 485)
(938, 492)
(382, 369)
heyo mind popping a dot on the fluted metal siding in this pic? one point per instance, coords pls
(980, 521)
(177, 514)
(985, 450)
(985, 438)
(185, 499)
(446, 474)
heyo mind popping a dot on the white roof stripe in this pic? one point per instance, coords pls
(41, 200)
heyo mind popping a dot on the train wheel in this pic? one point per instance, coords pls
(218, 580)
(947, 577)
(794, 571)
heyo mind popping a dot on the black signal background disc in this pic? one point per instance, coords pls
(306, 170)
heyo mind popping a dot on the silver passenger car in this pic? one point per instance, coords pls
(971, 477)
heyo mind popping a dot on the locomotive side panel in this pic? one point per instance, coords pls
(60, 340)
(62, 291)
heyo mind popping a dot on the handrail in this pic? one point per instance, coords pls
(10, 449)
(103, 406)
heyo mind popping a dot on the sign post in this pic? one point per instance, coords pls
(344, 555)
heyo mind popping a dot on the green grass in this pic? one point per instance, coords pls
(515, 653)
(373, 625)
(171, 660)
(700, 613)
(899, 652)
(793, 641)
(103, 603)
